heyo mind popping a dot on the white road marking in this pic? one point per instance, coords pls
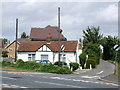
(12, 86)
(100, 72)
(59, 84)
(59, 78)
(9, 78)
(90, 76)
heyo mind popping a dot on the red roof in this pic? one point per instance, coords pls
(20, 40)
(32, 46)
(42, 33)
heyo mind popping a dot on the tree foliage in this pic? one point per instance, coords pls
(5, 54)
(5, 41)
(108, 44)
(92, 35)
(23, 35)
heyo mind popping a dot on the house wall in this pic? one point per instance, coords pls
(11, 50)
(24, 55)
(79, 51)
(70, 57)
(53, 57)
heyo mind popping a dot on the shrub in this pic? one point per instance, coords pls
(90, 62)
(30, 65)
(20, 63)
(55, 69)
(6, 63)
(63, 70)
(49, 68)
(61, 63)
(82, 59)
(93, 49)
(74, 66)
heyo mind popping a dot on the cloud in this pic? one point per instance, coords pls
(108, 14)
(74, 17)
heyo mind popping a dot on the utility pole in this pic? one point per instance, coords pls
(59, 36)
(16, 39)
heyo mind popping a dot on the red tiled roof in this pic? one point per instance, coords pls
(70, 46)
(20, 40)
(42, 33)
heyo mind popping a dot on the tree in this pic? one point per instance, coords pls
(23, 35)
(92, 35)
(5, 54)
(108, 44)
(5, 41)
(94, 50)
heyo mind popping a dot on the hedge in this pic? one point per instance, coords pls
(91, 62)
(61, 63)
(30, 65)
(82, 59)
(74, 66)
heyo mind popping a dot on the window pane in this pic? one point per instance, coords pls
(33, 57)
(44, 57)
(29, 58)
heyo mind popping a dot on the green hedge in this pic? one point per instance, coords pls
(74, 66)
(61, 63)
(91, 62)
(82, 59)
(6, 63)
(30, 65)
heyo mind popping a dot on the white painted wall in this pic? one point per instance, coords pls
(24, 55)
(70, 57)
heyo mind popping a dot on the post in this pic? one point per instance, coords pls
(115, 62)
(16, 40)
(59, 36)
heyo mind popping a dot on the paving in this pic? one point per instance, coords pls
(111, 78)
(103, 72)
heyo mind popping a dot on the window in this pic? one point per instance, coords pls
(10, 49)
(63, 57)
(44, 57)
(31, 57)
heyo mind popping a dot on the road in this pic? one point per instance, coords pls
(25, 79)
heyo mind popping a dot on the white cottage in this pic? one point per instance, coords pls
(41, 50)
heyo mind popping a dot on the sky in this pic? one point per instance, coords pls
(75, 17)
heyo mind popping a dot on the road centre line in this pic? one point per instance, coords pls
(100, 72)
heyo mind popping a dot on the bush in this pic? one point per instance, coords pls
(82, 59)
(6, 63)
(94, 57)
(20, 63)
(93, 49)
(63, 70)
(90, 62)
(74, 66)
(49, 68)
(55, 69)
(31, 65)
(61, 63)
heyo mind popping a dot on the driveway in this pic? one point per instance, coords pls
(103, 69)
